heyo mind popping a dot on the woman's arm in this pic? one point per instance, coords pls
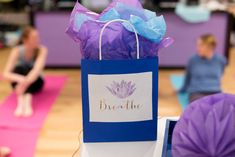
(186, 82)
(11, 63)
(224, 63)
(38, 66)
(187, 78)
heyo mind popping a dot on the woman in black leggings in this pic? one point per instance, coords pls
(24, 70)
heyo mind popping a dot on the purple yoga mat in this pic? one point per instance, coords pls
(20, 134)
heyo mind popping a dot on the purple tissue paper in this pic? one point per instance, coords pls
(118, 42)
(206, 128)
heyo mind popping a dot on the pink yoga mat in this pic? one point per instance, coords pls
(21, 143)
(21, 134)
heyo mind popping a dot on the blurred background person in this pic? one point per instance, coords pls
(24, 70)
(204, 70)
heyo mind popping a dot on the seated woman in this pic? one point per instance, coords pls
(24, 70)
(4, 151)
(204, 70)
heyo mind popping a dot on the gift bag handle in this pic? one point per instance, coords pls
(106, 25)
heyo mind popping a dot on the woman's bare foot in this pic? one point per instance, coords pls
(20, 107)
(19, 111)
(28, 110)
(4, 151)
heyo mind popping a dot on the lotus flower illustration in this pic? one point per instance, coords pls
(123, 89)
(207, 128)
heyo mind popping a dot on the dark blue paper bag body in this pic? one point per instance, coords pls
(119, 100)
(119, 97)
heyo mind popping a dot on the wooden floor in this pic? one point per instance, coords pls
(59, 135)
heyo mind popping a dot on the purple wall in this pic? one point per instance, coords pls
(64, 52)
(185, 35)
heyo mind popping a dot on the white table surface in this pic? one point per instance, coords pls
(128, 149)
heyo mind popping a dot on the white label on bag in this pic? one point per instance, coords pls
(120, 98)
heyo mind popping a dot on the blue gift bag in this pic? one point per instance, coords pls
(119, 98)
